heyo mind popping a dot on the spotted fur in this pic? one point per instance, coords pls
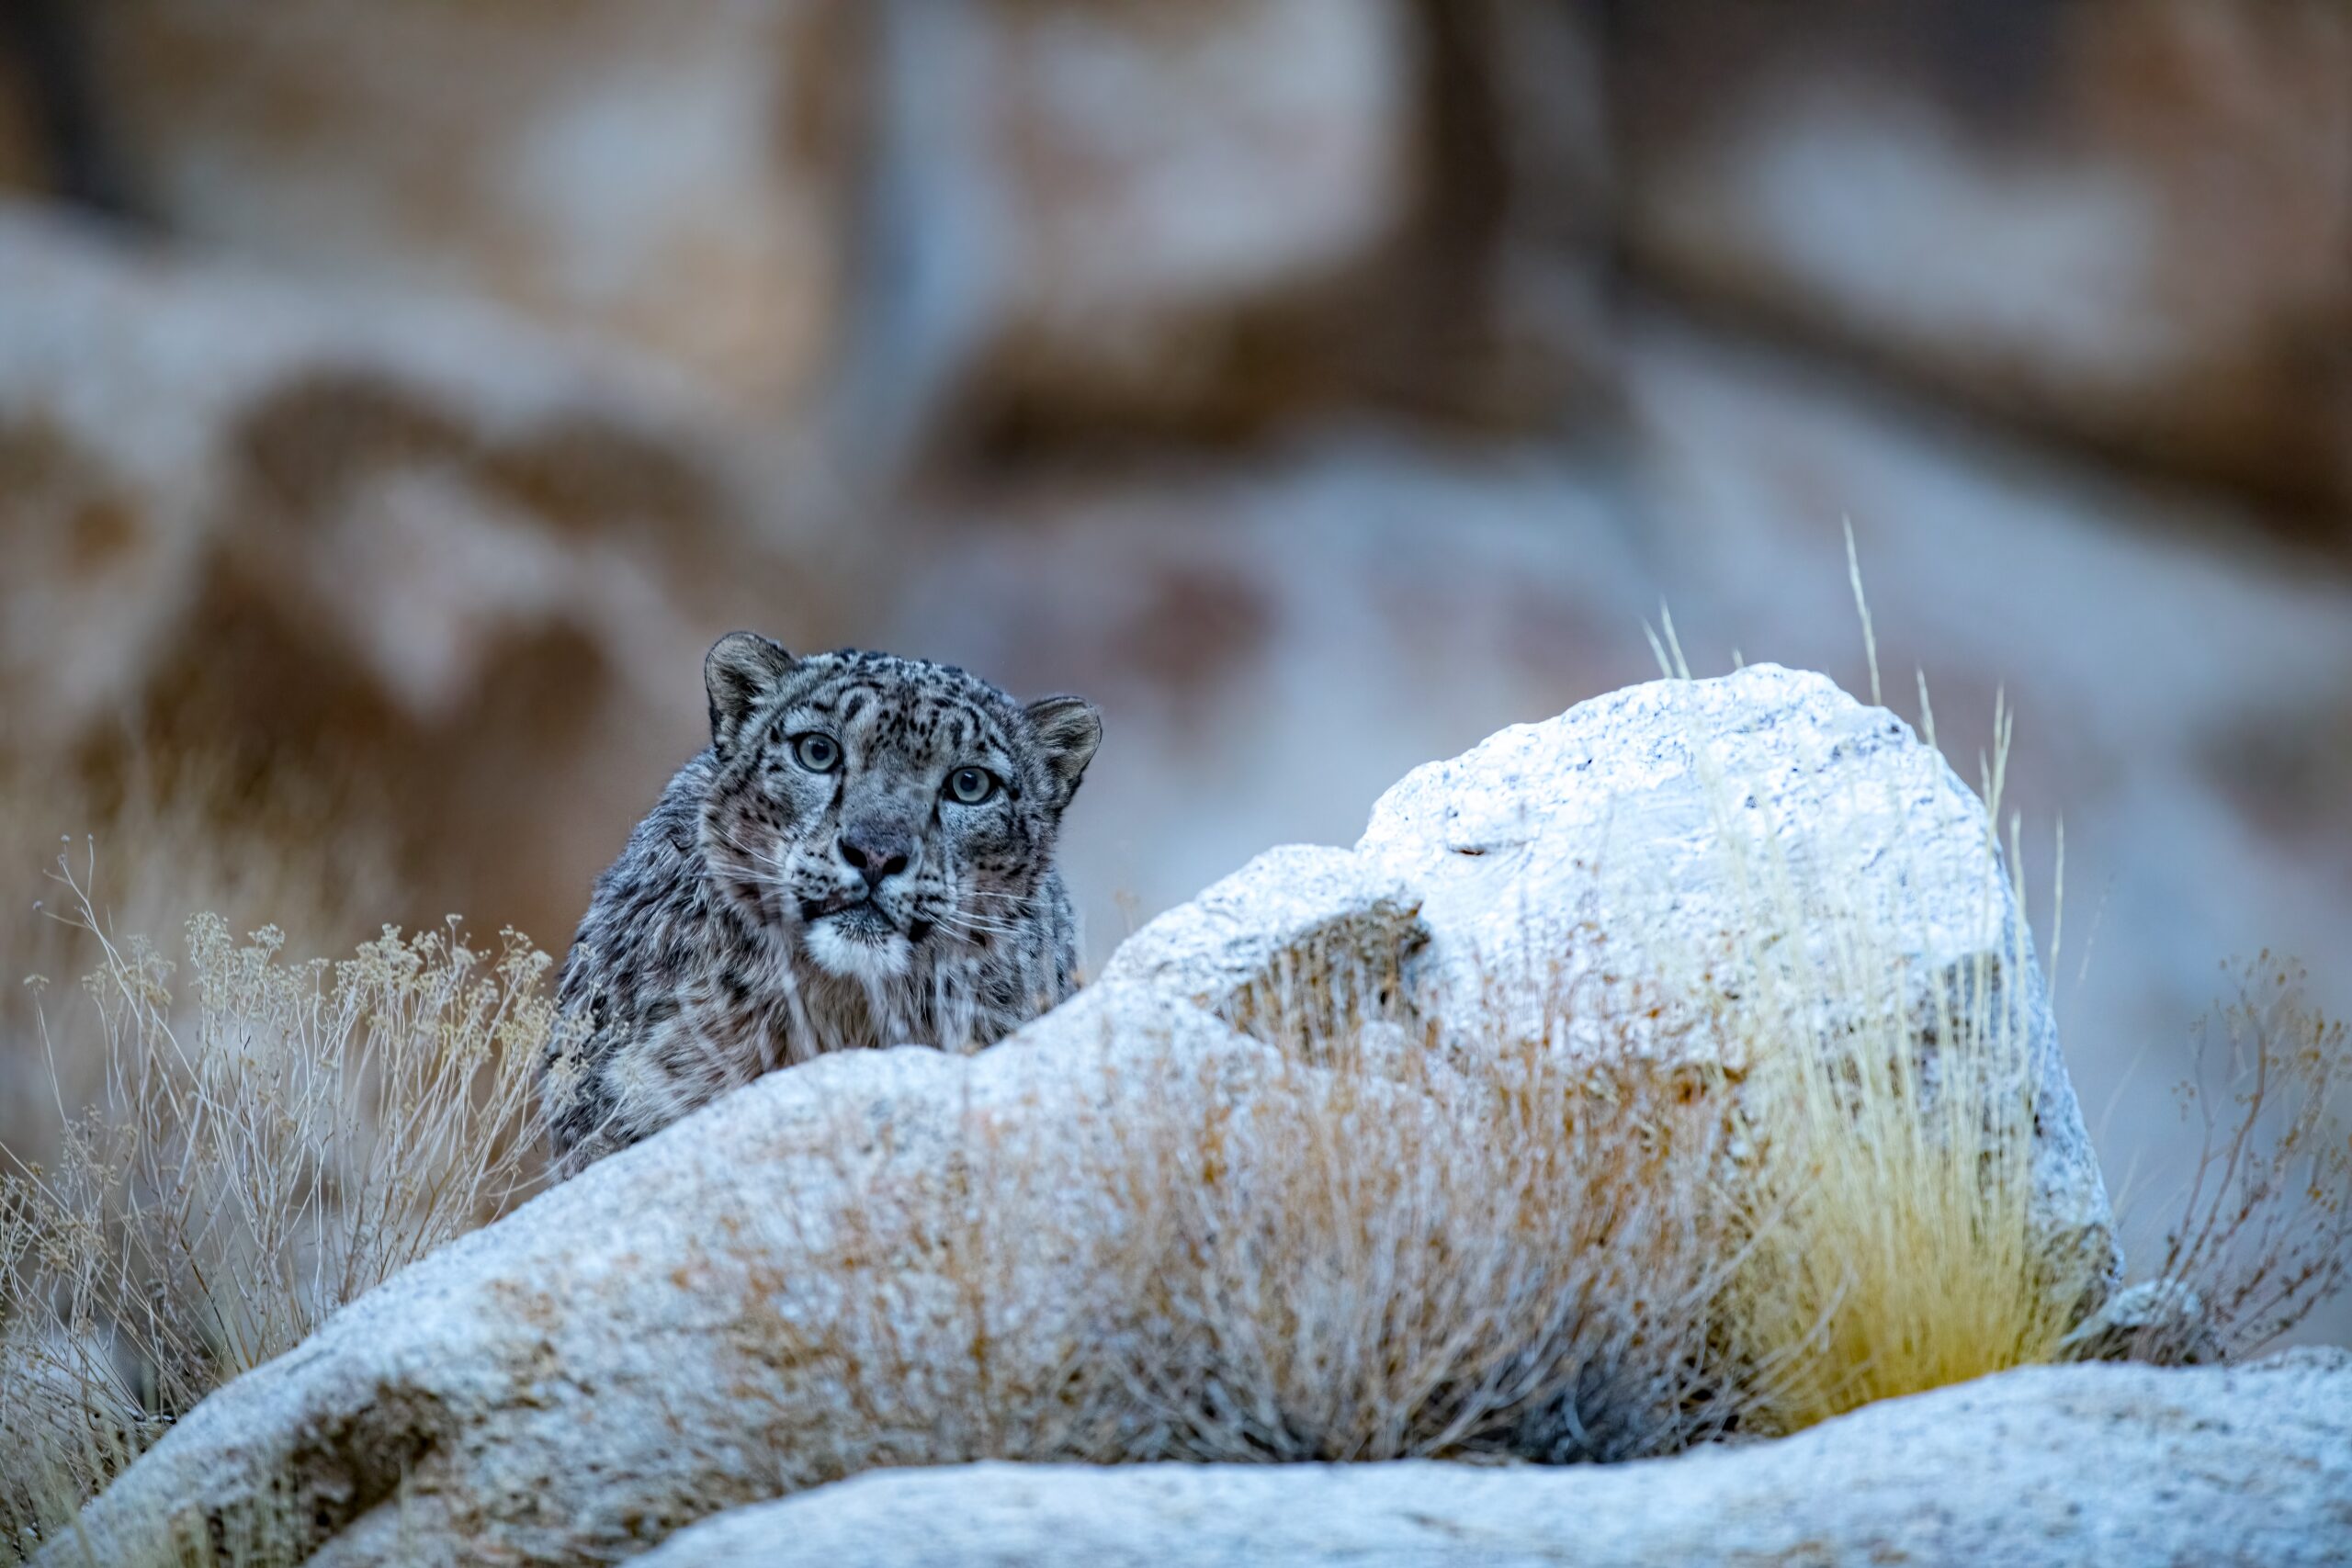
(815, 881)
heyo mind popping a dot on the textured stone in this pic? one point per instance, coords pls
(2125, 1467)
(2163, 1321)
(1293, 916)
(2182, 700)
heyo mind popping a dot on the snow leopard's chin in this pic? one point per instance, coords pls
(858, 944)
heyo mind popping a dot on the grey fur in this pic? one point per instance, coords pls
(768, 910)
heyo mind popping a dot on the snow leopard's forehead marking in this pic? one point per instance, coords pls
(911, 712)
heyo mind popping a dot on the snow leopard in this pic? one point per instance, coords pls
(864, 856)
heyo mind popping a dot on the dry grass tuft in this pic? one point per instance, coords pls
(271, 1140)
(1888, 1116)
(1889, 1244)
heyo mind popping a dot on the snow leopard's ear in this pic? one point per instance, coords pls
(1069, 730)
(740, 671)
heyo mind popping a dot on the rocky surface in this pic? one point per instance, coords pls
(2126, 223)
(1294, 917)
(679, 185)
(678, 1329)
(1054, 210)
(2123, 1467)
(1151, 216)
(2166, 694)
(1284, 627)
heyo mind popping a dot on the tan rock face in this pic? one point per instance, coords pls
(433, 560)
(2130, 224)
(1168, 168)
(1212, 219)
(1037, 213)
(668, 177)
(1133, 212)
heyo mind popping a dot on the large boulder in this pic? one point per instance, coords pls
(1632, 860)
(906, 1257)
(2199, 779)
(2128, 1467)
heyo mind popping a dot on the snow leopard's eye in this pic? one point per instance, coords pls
(969, 786)
(817, 754)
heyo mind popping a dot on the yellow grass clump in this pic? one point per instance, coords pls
(1888, 1121)
(1890, 1248)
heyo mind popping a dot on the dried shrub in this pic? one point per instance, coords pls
(2264, 1233)
(1513, 1257)
(257, 843)
(271, 1140)
(1353, 1247)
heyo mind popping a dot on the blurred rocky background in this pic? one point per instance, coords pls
(395, 396)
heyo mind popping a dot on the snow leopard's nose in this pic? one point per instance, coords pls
(875, 851)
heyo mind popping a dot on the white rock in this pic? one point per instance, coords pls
(1296, 920)
(2156, 1320)
(1632, 849)
(2117, 1466)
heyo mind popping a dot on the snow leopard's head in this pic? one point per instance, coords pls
(888, 809)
